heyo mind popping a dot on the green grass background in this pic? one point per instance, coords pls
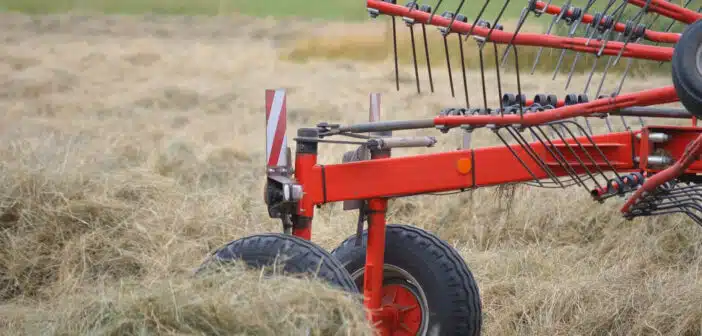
(352, 10)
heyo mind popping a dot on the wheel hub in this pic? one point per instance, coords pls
(403, 307)
(401, 313)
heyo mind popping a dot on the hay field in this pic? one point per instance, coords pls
(133, 146)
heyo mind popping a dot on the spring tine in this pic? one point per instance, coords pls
(436, 9)
(577, 157)
(427, 8)
(606, 69)
(621, 85)
(519, 82)
(394, 47)
(642, 12)
(618, 12)
(560, 159)
(572, 151)
(481, 41)
(414, 58)
(462, 18)
(534, 156)
(412, 6)
(482, 76)
(457, 12)
(626, 72)
(497, 20)
(571, 33)
(499, 80)
(463, 70)
(482, 10)
(598, 23)
(448, 64)
(599, 150)
(522, 19)
(536, 179)
(410, 24)
(594, 25)
(556, 19)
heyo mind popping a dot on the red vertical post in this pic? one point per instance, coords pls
(305, 160)
(375, 249)
(375, 252)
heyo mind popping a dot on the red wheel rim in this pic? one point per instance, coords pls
(401, 311)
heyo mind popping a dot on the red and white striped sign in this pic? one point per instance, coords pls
(276, 139)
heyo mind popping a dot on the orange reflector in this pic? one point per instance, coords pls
(464, 165)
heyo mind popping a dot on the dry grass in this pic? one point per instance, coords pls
(373, 42)
(132, 147)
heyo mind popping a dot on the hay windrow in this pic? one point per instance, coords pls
(126, 158)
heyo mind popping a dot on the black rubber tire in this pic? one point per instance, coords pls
(451, 291)
(302, 257)
(687, 78)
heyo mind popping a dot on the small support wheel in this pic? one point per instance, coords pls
(296, 256)
(427, 287)
(687, 68)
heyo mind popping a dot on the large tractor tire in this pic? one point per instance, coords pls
(427, 287)
(295, 256)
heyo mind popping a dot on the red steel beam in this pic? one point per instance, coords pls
(581, 44)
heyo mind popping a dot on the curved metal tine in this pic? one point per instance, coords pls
(626, 72)
(629, 64)
(522, 19)
(477, 18)
(571, 33)
(431, 17)
(495, 23)
(570, 148)
(627, 37)
(455, 13)
(669, 211)
(618, 12)
(556, 19)
(502, 139)
(394, 47)
(410, 24)
(597, 24)
(480, 41)
(594, 145)
(519, 82)
(592, 160)
(426, 54)
(644, 10)
(499, 80)
(463, 72)
(594, 27)
(562, 161)
(534, 156)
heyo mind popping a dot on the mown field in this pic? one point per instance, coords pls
(131, 146)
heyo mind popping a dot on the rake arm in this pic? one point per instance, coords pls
(605, 22)
(633, 50)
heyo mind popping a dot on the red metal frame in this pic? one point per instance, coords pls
(383, 177)
(669, 10)
(632, 50)
(651, 35)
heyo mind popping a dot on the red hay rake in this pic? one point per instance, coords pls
(413, 283)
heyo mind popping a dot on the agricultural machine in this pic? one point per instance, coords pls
(412, 282)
